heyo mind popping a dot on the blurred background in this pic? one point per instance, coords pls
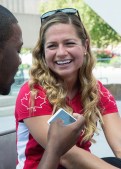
(102, 21)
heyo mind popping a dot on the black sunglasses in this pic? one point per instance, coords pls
(70, 11)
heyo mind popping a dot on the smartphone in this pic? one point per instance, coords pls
(62, 114)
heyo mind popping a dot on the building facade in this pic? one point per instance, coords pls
(22, 6)
(27, 13)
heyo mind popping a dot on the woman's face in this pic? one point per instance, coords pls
(64, 52)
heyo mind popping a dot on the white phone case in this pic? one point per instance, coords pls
(62, 114)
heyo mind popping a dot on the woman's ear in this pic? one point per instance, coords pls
(86, 45)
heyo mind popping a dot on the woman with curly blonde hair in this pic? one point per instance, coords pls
(61, 76)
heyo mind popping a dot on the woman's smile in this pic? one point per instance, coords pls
(63, 62)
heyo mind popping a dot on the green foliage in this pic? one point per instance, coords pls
(56, 4)
(24, 66)
(100, 32)
(25, 50)
(103, 56)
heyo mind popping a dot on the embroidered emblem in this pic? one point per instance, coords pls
(39, 102)
(108, 96)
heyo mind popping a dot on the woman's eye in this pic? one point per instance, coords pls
(70, 43)
(51, 46)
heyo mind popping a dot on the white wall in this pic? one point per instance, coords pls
(30, 25)
(22, 6)
(27, 13)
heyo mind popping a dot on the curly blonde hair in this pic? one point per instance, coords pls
(55, 89)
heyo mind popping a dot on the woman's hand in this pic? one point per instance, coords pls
(62, 137)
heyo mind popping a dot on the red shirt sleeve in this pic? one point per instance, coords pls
(107, 102)
(41, 104)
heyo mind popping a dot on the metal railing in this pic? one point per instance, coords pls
(3, 133)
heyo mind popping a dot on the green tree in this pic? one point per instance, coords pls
(55, 4)
(100, 32)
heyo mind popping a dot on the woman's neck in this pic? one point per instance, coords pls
(72, 88)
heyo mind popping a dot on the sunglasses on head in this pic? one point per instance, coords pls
(70, 11)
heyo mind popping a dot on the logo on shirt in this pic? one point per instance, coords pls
(109, 97)
(39, 101)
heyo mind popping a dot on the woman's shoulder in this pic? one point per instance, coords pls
(25, 90)
(107, 101)
(102, 87)
(26, 87)
(103, 91)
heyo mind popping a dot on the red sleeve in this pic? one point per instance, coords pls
(107, 102)
(41, 103)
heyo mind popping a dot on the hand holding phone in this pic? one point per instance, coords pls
(63, 115)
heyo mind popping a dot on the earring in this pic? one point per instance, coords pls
(85, 54)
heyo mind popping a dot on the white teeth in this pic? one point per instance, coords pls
(63, 62)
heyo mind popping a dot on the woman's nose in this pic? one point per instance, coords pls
(61, 51)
